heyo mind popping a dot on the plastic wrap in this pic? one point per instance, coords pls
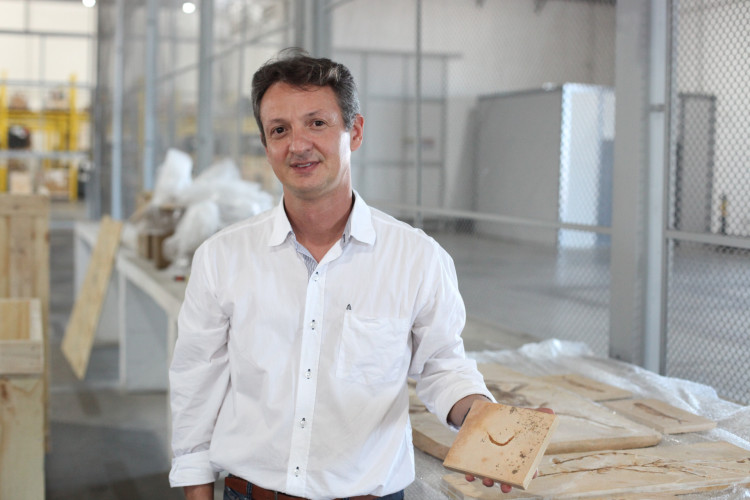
(199, 221)
(215, 199)
(173, 176)
(222, 184)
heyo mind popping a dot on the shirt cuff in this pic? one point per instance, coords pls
(192, 469)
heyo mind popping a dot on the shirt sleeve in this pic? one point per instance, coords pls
(198, 375)
(439, 365)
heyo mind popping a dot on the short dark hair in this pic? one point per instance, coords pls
(297, 68)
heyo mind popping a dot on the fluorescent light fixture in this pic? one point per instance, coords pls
(188, 7)
(88, 3)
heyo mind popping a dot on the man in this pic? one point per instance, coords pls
(300, 326)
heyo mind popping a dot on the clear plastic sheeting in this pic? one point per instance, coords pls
(553, 357)
(556, 357)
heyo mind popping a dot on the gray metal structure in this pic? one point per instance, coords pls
(655, 288)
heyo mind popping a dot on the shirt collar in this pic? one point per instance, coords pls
(359, 226)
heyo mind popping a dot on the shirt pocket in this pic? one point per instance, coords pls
(373, 350)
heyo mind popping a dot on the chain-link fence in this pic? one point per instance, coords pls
(497, 139)
(709, 220)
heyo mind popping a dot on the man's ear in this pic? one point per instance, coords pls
(356, 133)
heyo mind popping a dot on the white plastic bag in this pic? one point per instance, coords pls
(199, 221)
(173, 176)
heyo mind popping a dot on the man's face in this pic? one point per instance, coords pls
(306, 141)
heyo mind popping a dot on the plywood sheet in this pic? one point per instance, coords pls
(584, 425)
(662, 416)
(656, 472)
(587, 387)
(501, 442)
(79, 334)
(22, 437)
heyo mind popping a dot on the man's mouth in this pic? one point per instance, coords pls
(303, 165)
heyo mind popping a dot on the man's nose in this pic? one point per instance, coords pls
(300, 142)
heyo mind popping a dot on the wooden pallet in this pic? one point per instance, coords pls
(22, 403)
(24, 263)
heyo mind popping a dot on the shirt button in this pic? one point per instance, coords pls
(296, 472)
(316, 276)
(302, 423)
(308, 373)
(312, 325)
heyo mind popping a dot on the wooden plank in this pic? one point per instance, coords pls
(587, 387)
(662, 416)
(21, 338)
(16, 324)
(584, 424)
(22, 437)
(21, 357)
(4, 255)
(657, 472)
(42, 292)
(24, 204)
(21, 265)
(79, 334)
(501, 442)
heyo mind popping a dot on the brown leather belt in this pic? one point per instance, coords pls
(257, 493)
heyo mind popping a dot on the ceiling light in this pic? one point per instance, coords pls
(188, 7)
(88, 3)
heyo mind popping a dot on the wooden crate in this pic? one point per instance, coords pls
(24, 261)
(22, 399)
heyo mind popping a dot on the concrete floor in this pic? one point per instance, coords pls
(105, 444)
(109, 444)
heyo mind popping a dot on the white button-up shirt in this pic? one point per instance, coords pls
(297, 380)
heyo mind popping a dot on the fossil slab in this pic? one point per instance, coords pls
(656, 472)
(501, 442)
(662, 416)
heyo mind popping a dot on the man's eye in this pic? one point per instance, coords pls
(319, 123)
(277, 130)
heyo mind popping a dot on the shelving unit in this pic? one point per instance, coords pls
(56, 161)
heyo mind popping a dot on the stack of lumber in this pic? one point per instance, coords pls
(607, 444)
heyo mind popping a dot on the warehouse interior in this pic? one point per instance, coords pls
(585, 163)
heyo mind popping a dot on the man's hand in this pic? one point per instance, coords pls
(505, 488)
(459, 411)
(200, 492)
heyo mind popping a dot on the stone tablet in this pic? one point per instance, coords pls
(501, 442)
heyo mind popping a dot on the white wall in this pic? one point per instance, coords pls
(500, 46)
